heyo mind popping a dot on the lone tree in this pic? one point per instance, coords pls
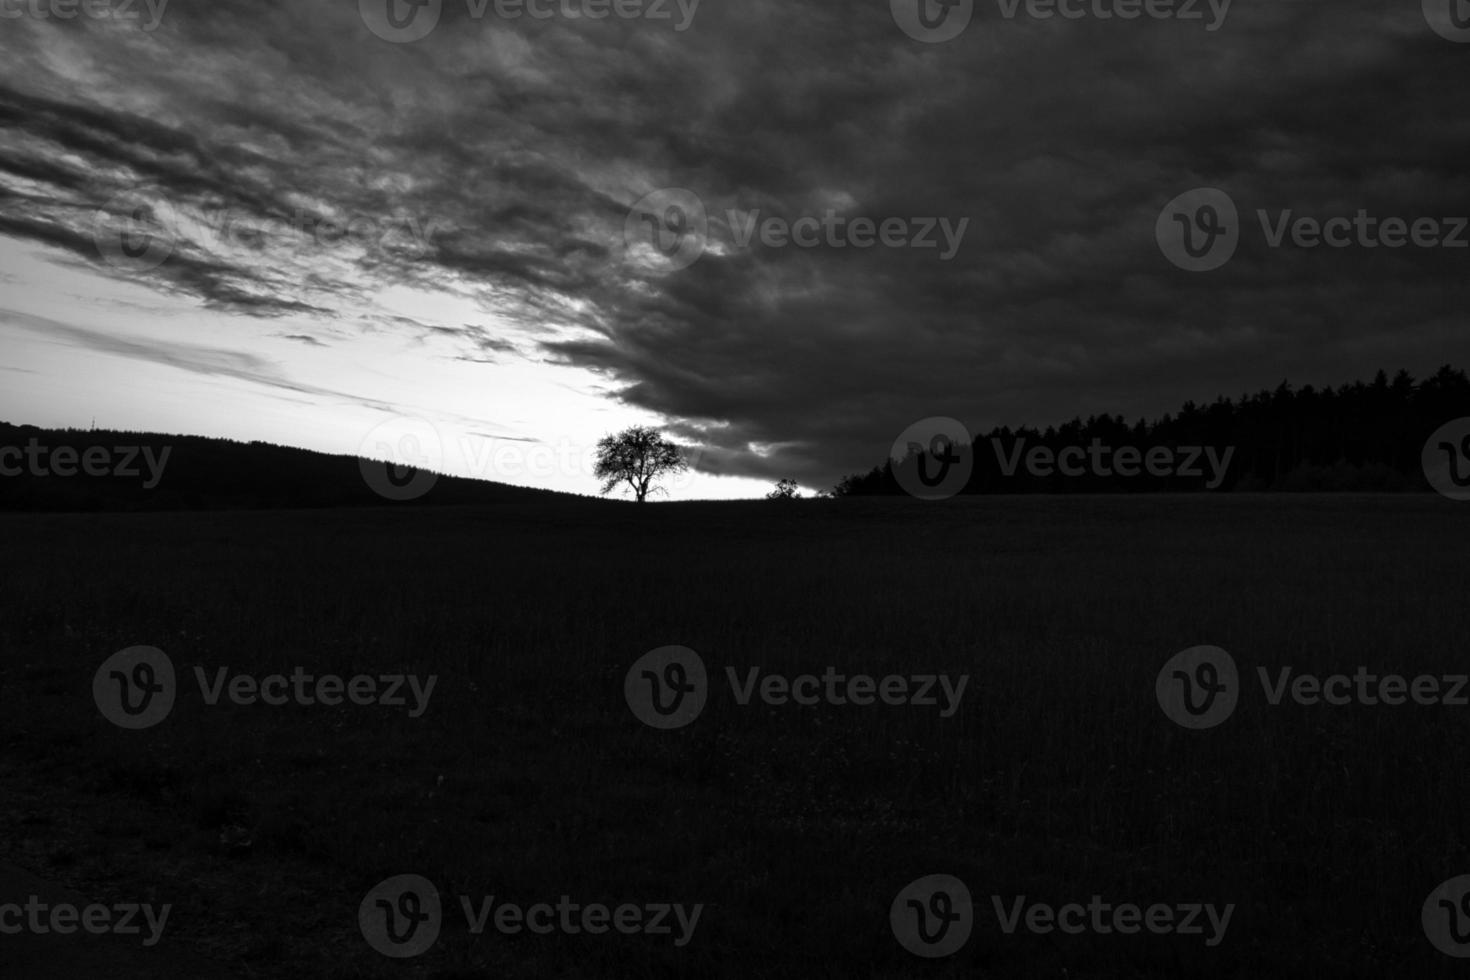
(637, 456)
(785, 490)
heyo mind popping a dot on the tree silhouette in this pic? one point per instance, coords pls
(785, 490)
(637, 456)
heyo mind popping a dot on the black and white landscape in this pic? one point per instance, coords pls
(876, 488)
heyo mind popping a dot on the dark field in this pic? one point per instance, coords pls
(528, 778)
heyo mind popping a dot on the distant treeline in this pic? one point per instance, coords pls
(1362, 436)
(147, 471)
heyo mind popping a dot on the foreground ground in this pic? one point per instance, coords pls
(528, 778)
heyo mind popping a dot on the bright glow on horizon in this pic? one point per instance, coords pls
(81, 345)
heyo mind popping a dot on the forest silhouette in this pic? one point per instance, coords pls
(1364, 436)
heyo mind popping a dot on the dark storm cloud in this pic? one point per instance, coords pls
(522, 144)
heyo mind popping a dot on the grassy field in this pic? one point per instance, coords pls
(528, 777)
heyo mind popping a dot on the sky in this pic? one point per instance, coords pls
(783, 232)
